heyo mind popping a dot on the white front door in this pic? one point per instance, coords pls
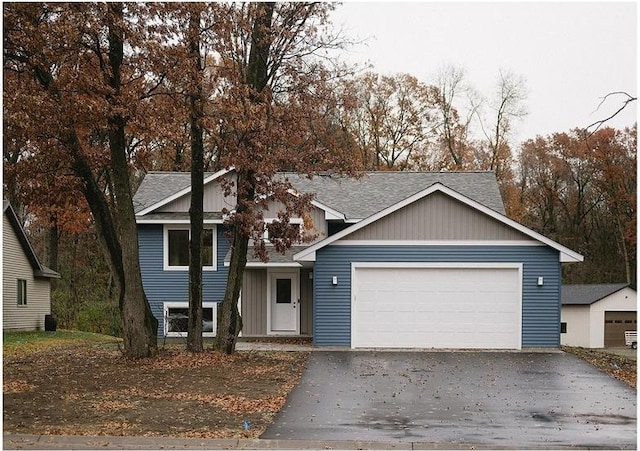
(284, 302)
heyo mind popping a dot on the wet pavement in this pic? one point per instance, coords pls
(491, 399)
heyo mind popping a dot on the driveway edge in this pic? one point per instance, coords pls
(56, 442)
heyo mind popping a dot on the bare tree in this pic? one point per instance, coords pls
(454, 123)
(506, 107)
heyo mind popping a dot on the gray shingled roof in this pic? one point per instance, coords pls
(355, 198)
(589, 293)
(375, 191)
(273, 255)
(159, 185)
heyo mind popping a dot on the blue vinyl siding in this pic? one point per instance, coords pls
(540, 304)
(164, 286)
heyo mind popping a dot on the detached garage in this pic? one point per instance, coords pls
(598, 315)
(443, 306)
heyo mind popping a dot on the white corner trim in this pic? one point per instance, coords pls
(566, 254)
(182, 192)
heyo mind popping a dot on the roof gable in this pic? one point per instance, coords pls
(566, 254)
(162, 188)
(438, 217)
(39, 270)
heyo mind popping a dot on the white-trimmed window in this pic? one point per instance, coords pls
(293, 221)
(21, 291)
(176, 318)
(176, 247)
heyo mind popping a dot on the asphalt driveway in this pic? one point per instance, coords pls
(491, 399)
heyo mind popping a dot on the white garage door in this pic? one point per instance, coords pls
(429, 307)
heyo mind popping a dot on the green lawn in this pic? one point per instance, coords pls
(17, 342)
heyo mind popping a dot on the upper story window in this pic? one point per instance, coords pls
(22, 292)
(176, 247)
(294, 222)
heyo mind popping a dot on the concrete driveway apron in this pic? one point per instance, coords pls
(501, 399)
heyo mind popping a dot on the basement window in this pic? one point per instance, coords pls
(176, 319)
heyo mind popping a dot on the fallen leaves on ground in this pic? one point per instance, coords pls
(91, 389)
(619, 367)
(15, 386)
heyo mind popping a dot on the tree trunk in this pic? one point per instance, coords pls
(194, 326)
(53, 250)
(118, 231)
(229, 323)
(229, 320)
(139, 325)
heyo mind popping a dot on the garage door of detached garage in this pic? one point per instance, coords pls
(615, 325)
(455, 306)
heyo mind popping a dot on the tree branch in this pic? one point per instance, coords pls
(601, 122)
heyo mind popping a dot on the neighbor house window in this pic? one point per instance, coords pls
(22, 292)
(176, 248)
(176, 319)
(563, 328)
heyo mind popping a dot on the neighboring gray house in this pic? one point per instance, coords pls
(402, 260)
(597, 315)
(26, 290)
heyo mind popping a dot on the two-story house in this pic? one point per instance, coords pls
(401, 260)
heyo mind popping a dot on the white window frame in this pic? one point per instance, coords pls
(185, 304)
(265, 233)
(165, 247)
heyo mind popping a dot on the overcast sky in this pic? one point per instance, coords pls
(570, 54)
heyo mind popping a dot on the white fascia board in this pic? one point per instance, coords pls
(269, 265)
(437, 243)
(175, 221)
(566, 254)
(329, 213)
(308, 257)
(182, 192)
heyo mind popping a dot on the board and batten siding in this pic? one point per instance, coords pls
(437, 217)
(540, 304)
(255, 300)
(163, 286)
(15, 265)
(213, 200)
(306, 301)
